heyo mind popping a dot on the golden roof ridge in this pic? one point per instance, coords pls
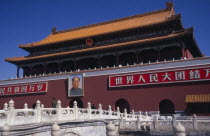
(48, 39)
(110, 21)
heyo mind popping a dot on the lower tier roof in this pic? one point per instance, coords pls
(16, 60)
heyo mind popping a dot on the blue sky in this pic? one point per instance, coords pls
(27, 21)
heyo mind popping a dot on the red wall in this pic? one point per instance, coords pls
(56, 88)
(144, 98)
(188, 54)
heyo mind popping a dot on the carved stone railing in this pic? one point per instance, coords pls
(11, 116)
(166, 125)
(192, 125)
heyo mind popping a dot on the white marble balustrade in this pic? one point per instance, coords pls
(11, 116)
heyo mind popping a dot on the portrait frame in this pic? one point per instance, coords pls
(72, 92)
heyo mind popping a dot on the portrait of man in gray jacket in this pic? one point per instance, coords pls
(75, 88)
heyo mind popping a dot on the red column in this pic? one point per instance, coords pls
(183, 53)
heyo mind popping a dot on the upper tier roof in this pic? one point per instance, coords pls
(126, 23)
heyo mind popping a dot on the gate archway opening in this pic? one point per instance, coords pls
(122, 104)
(166, 107)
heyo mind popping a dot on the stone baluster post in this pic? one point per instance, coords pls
(110, 111)
(155, 123)
(11, 105)
(38, 111)
(100, 110)
(158, 113)
(58, 110)
(68, 110)
(125, 114)
(25, 106)
(133, 114)
(111, 130)
(11, 113)
(118, 112)
(38, 104)
(5, 107)
(89, 110)
(75, 110)
(121, 122)
(195, 123)
(146, 114)
(42, 106)
(174, 121)
(147, 117)
(179, 130)
(5, 130)
(58, 104)
(55, 130)
(138, 122)
(140, 114)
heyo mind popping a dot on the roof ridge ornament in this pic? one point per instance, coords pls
(169, 4)
(53, 30)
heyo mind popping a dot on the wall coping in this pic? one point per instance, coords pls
(174, 64)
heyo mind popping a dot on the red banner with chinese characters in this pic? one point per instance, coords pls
(160, 77)
(23, 88)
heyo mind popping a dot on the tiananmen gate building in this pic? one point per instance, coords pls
(145, 62)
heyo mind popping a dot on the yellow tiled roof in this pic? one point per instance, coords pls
(126, 23)
(177, 34)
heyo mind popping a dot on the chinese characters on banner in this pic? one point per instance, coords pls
(23, 88)
(160, 77)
